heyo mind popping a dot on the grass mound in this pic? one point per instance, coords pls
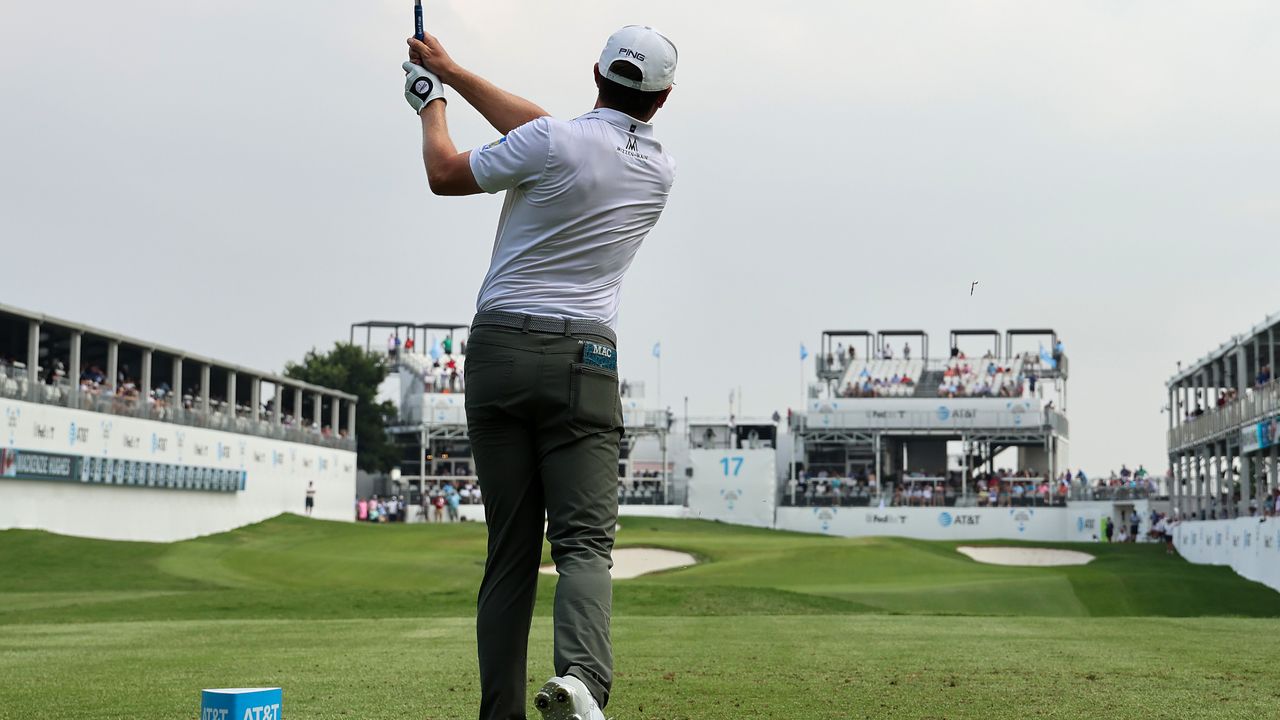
(293, 568)
(375, 622)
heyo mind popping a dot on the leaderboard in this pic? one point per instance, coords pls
(32, 465)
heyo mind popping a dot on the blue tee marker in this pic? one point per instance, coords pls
(241, 704)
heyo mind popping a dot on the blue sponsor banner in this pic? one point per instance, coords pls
(241, 704)
(1260, 436)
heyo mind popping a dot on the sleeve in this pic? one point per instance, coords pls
(518, 158)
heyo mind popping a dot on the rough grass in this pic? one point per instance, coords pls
(375, 622)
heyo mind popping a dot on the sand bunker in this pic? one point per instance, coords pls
(634, 562)
(1026, 557)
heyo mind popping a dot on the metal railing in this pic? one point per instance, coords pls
(1117, 492)
(643, 491)
(14, 384)
(1258, 404)
(631, 490)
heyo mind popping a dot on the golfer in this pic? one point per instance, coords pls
(543, 409)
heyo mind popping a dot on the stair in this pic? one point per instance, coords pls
(927, 387)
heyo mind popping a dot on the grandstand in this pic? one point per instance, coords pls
(427, 378)
(886, 426)
(1224, 448)
(973, 444)
(1224, 428)
(102, 429)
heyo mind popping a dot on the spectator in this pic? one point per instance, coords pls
(452, 499)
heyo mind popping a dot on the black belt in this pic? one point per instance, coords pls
(540, 324)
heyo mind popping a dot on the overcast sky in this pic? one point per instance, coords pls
(242, 178)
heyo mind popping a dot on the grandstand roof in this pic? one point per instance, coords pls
(1263, 332)
(156, 347)
(404, 323)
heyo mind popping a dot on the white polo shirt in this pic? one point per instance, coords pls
(581, 196)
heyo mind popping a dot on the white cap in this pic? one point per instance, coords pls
(647, 49)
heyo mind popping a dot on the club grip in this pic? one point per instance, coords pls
(417, 20)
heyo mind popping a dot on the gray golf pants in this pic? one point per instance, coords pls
(544, 431)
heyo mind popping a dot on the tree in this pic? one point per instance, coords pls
(352, 370)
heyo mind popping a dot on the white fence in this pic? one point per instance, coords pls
(112, 477)
(1250, 546)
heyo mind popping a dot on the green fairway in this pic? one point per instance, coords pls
(359, 621)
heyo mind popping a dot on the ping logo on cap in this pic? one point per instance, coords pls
(631, 53)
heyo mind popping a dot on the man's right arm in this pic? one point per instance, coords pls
(504, 111)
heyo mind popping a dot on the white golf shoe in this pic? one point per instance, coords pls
(566, 698)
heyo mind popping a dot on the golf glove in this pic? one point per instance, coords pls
(421, 86)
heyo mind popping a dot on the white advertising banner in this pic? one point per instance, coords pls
(733, 486)
(1249, 546)
(925, 413)
(77, 472)
(1042, 524)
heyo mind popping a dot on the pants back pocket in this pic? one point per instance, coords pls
(594, 401)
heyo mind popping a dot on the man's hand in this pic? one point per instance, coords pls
(421, 86)
(430, 54)
(503, 110)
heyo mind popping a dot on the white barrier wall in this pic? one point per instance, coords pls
(1048, 524)
(1250, 546)
(733, 486)
(273, 475)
